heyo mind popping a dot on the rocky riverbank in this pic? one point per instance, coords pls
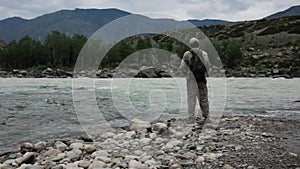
(146, 72)
(236, 142)
(143, 72)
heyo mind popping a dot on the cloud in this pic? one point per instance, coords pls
(236, 10)
(184, 9)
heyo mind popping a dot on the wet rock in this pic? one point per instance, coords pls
(28, 158)
(60, 145)
(27, 147)
(63, 74)
(89, 148)
(3, 73)
(86, 139)
(159, 127)
(139, 125)
(15, 71)
(148, 72)
(40, 145)
(23, 72)
(48, 72)
(103, 74)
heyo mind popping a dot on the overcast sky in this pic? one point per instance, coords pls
(232, 10)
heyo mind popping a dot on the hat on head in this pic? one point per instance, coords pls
(194, 43)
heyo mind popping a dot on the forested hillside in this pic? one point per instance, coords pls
(267, 47)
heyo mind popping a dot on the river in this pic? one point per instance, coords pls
(39, 109)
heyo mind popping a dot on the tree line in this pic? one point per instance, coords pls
(59, 50)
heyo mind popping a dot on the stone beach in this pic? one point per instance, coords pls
(235, 142)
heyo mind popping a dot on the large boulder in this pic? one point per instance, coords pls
(61, 73)
(3, 73)
(125, 72)
(103, 74)
(23, 72)
(15, 71)
(163, 73)
(148, 72)
(48, 72)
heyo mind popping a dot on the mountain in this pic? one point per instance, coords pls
(207, 22)
(12, 21)
(82, 21)
(292, 11)
(88, 21)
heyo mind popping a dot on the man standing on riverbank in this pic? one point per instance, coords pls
(198, 62)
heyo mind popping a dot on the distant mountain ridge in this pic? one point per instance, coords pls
(81, 21)
(12, 21)
(207, 22)
(292, 11)
(88, 21)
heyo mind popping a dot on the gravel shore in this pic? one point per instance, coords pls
(236, 142)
